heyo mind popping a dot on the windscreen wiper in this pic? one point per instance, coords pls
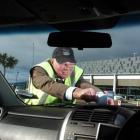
(26, 95)
(62, 105)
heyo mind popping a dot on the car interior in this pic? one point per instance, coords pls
(83, 25)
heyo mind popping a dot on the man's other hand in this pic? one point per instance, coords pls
(88, 94)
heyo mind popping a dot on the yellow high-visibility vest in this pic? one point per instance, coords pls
(45, 98)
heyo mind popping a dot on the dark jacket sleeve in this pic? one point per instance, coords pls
(82, 83)
(41, 80)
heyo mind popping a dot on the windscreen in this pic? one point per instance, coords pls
(115, 70)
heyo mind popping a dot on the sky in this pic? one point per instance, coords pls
(31, 48)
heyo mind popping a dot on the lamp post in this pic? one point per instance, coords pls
(33, 53)
(17, 76)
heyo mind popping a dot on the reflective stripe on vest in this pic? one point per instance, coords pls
(43, 97)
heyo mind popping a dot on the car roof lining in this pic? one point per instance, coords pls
(28, 12)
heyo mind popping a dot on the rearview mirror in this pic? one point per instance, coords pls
(79, 39)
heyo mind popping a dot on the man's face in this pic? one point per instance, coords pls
(64, 69)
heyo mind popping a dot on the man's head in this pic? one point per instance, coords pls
(63, 61)
(64, 55)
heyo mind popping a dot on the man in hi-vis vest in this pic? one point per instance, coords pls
(59, 79)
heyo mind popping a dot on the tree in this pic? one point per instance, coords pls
(7, 62)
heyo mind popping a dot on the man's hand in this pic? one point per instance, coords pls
(110, 101)
(88, 94)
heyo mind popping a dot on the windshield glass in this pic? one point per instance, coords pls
(115, 70)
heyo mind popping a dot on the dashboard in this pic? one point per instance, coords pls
(62, 123)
